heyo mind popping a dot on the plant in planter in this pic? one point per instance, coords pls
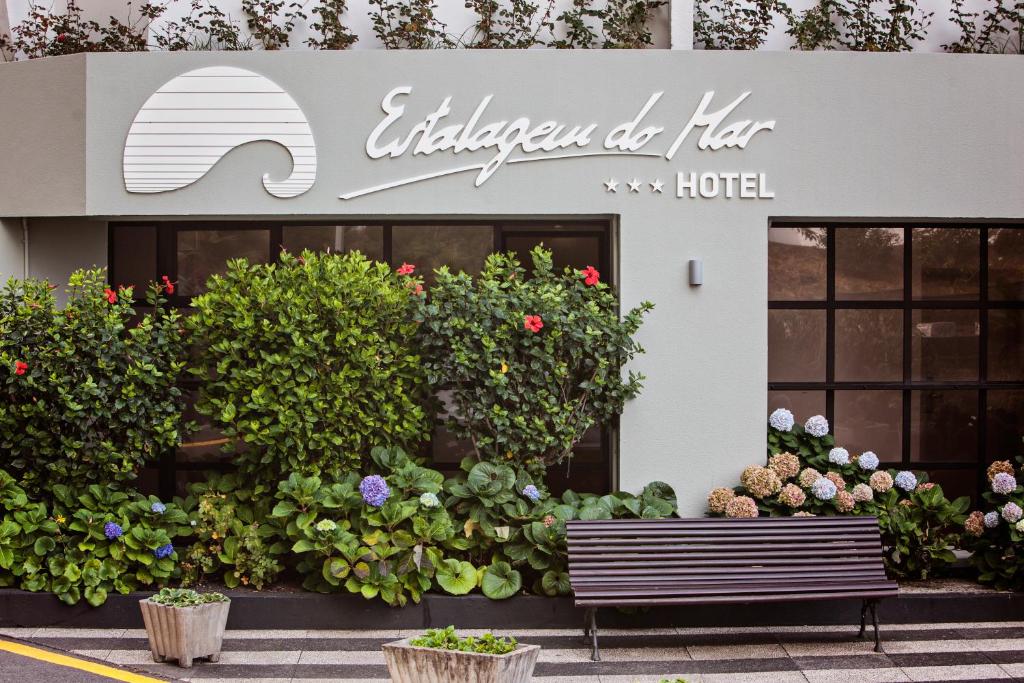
(440, 655)
(183, 624)
(996, 535)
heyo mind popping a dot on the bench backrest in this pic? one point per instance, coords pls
(709, 553)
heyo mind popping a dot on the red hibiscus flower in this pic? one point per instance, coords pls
(61, 37)
(590, 276)
(533, 323)
(405, 269)
(168, 285)
(20, 367)
(111, 295)
(418, 289)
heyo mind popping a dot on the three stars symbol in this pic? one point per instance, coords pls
(612, 185)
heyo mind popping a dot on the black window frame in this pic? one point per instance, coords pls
(907, 304)
(168, 465)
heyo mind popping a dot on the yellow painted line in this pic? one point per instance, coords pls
(73, 663)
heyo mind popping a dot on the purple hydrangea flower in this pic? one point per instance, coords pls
(839, 456)
(823, 489)
(868, 460)
(531, 492)
(816, 425)
(163, 551)
(158, 508)
(1012, 512)
(112, 530)
(374, 490)
(1004, 483)
(906, 480)
(781, 419)
(991, 519)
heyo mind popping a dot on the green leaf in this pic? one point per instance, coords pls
(500, 581)
(456, 577)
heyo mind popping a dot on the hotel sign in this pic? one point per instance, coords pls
(195, 119)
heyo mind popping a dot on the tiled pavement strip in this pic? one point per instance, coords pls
(992, 651)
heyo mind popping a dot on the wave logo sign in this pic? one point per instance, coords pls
(195, 119)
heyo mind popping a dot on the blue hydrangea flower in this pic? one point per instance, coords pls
(1012, 512)
(158, 508)
(992, 519)
(112, 530)
(163, 551)
(374, 490)
(781, 419)
(906, 480)
(839, 456)
(531, 492)
(1004, 483)
(868, 461)
(816, 425)
(823, 489)
(429, 500)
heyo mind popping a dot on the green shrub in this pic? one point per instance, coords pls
(87, 394)
(918, 524)
(341, 540)
(186, 597)
(96, 540)
(448, 639)
(309, 363)
(997, 537)
(531, 362)
(236, 540)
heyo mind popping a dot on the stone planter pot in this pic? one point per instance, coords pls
(185, 633)
(410, 664)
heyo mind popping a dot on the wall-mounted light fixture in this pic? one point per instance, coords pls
(696, 272)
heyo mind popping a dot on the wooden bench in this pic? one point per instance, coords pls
(716, 561)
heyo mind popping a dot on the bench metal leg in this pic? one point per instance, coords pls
(863, 617)
(590, 629)
(874, 622)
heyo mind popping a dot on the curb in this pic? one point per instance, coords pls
(283, 610)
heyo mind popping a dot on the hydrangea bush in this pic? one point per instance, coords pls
(996, 536)
(83, 545)
(806, 473)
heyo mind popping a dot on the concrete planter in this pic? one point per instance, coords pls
(409, 664)
(185, 633)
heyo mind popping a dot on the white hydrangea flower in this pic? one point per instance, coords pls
(816, 425)
(839, 456)
(781, 419)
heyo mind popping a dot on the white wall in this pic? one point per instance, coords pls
(11, 254)
(452, 12)
(59, 246)
(458, 19)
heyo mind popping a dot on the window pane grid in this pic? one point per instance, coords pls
(947, 341)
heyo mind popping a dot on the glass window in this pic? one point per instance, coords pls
(1005, 264)
(802, 404)
(870, 421)
(946, 263)
(133, 251)
(944, 345)
(944, 426)
(202, 253)
(869, 344)
(796, 346)
(965, 344)
(569, 251)
(1004, 416)
(869, 263)
(796, 264)
(1006, 345)
(367, 239)
(460, 247)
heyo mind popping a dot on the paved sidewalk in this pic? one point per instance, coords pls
(992, 651)
(24, 663)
